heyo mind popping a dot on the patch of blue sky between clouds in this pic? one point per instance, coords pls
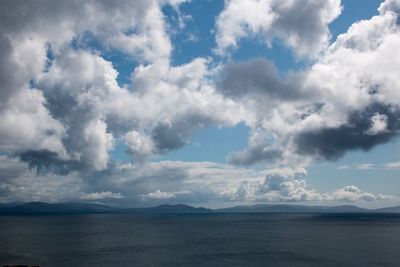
(278, 54)
(211, 144)
(353, 10)
(354, 168)
(196, 39)
(208, 144)
(119, 154)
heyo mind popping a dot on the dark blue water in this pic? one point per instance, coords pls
(201, 240)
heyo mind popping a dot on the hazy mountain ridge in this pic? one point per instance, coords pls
(66, 208)
(166, 208)
(261, 208)
(60, 208)
(43, 207)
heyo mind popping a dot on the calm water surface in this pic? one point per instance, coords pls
(201, 240)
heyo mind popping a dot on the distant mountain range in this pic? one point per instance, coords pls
(42, 207)
(66, 208)
(293, 209)
(76, 208)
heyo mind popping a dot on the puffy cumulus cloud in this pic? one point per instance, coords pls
(101, 195)
(83, 94)
(289, 186)
(139, 145)
(33, 113)
(279, 185)
(76, 85)
(346, 100)
(259, 77)
(390, 6)
(26, 123)
(356, 133)
(360, 87)
(61, 105)
(99, 143)
(189, 102)
(378, 124)
(301, 25)
(158, 195)
(352, 193)
(136, 28)
(256, 153)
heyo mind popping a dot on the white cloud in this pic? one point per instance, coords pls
(352, 193)
(28, 125)
(99, 143)
(101, 196)
(343, 167)
(390, 6)
(278, 186)
(301, 25)
(139, 145)
(378, 124)
(290, 187)
(158, 195)
(365, 166)
(369, 166)
(392, 165)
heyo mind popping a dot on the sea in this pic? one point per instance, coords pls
(214, 239)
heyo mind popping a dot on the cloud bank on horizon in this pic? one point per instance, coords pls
(64, 111)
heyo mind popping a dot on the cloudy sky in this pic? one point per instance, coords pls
(213, 103)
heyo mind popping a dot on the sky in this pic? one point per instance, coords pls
(208, 103)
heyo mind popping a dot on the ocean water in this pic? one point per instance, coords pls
(201, 240)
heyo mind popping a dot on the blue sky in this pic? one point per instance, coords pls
(202, 102)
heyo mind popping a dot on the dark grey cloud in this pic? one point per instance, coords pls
(332, 143)
(166, 137)
(8, 78)
(306, 22)
(43, 161)
(258, 78)
(175, 134)
(390, 5)
(255, 154)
